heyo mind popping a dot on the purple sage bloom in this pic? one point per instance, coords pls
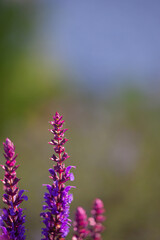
(97, 218)
(57, 199)
(13, 218)
(80, 224)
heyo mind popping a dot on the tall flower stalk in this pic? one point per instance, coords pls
(57, 199)
(12, 216)
(80, 224)
(97, 219)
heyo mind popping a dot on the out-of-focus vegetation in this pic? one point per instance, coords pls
(24, 81)
(114, 142)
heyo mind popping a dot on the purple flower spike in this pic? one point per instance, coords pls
(12, 216)
(80, 224)
(57, 199)
(97, 218)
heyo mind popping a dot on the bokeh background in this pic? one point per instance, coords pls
(97, 63)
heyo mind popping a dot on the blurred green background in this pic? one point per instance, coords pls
(113, 137)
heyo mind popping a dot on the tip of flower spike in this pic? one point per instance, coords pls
(81, 210)
(98, 209)
(57, 117)
(81, 218)
(56, 114)
(98, 203)
(8, 142)
(9, 148)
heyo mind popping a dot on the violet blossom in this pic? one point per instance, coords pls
(13, 218)
(57, 199)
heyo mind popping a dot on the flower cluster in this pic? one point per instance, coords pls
(80, 224)
(13, 217)
(57, 199)
(97, 219)
(85, 227)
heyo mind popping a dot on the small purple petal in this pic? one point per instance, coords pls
(71, 176)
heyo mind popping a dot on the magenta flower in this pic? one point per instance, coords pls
(97, 218)
(57, 199)
(12, 216)
(80, 224)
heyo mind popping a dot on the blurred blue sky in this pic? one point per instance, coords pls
(104, 40)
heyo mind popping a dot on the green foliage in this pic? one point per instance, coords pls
(15, 25)
(24, 81)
